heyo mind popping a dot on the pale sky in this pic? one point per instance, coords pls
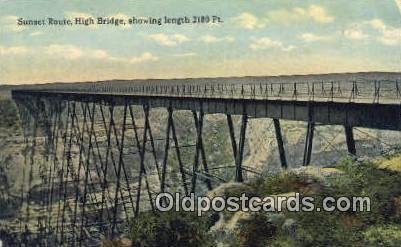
(257, 37)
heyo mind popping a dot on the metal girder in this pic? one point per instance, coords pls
(31, 163)
(55, 165)
(241, 146)
(200, 150)
(78, 175)
(280, 143)
(103, 173)
(166, 150)
(120, 164)
(61, 173)
(120, 145)
(238, 150)
(171, 131)
(178, 153)
(232, 135)
(109, 151)
(68, 171)
(88, 155)
(349, 136)
(309, 143)
(142, 150)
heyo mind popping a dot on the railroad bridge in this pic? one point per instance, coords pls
(102, 163)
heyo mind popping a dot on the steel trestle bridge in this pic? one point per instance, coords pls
(103, 163)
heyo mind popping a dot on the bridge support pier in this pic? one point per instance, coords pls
(280, 143)
(171, 131)
(78, 181)
(61, 174)
(240, 154)
(178, 153)
(349, 136)
(232, 135)
(69, 170)
(102, 172)
(238, 150)
(87, 170)
(142, 149)
(309, 143)
(120, 145)
(199, 146)
(166, 149)
(108, 127)
(31, 143)
(200, 151)
(120, 165)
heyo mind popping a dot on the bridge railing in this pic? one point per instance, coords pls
(373, 91)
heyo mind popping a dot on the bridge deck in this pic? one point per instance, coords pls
(350, 111)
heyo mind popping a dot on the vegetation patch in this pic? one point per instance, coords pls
(164, 229)
(8, 113)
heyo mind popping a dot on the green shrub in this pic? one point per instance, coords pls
(256, 230)
(323, 229)
(283, 241)
(380, 185)
(283, 182)
(169, 229)
(384, 235)
(8, 113)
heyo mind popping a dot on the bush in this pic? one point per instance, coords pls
(255, 231)
(283, 182)
(324, 229)
(380, 185)
(169, 229)
(384, 235)
(8, 113)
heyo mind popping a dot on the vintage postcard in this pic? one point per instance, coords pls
(200, 123)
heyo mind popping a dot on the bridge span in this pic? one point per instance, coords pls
(104, 164)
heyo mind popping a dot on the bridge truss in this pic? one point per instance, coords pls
(101, 162)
